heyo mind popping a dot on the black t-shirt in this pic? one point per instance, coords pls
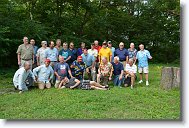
(70, 83)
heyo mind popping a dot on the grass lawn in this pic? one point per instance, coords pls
(118, 103)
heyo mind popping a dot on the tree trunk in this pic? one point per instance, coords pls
(170, 77)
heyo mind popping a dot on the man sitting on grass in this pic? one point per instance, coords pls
(44, 74)
(105, 71)
(61, 70)
(83, 84)
(21, 75)
(130, 74)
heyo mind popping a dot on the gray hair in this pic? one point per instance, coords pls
(43, 42)
(116, 57)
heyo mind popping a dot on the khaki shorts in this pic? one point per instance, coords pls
(57, 83)
(143, 70)
(42, 85)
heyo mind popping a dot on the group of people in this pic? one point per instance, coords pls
(83, 68)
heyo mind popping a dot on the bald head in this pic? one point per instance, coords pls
(132, 45)
(27, 65)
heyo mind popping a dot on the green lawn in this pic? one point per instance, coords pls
(118, 103)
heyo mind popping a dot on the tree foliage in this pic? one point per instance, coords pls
(154, 23)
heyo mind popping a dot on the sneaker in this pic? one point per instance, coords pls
(131, 86)
(147, 83)
(20, 92)
(125, 85)
(140, 81)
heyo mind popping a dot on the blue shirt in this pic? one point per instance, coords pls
(65, 53)
(113, 50)
(62, 69)
(122, 54)
(88, 59)
(132, 54)
(74, 55)
(117, 68)
(43, 73)
(142, 57)
(79, 51)
(51, 54)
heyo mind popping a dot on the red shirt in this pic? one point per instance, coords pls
(98, 49)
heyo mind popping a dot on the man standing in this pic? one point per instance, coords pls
(79, 67)
(118, 72)
(93, 51)
(66, 53)
(73, 53)
(122, 53)
(132, 52)
(143, 56)
(58, 45)
(35, 48)
(44, 74)
(112, 49)
(80, 50)
(89, 61)
(97, 47)
(61, 71)
(25, 53)
(105, 52)
(21, 75)
(41, 53)
(130, 74)
(51, 53)
(105, 71)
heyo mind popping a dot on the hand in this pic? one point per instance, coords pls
(36, 79)
(110, 78)
(19, 63)
(49, 79)
(33, 62)
(59, 77)
(38, 64)
(120, 77)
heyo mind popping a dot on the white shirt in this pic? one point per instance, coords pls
(93, 52)
(131, 69)
(21, 75)
(41, 55)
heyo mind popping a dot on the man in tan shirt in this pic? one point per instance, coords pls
(25, 53)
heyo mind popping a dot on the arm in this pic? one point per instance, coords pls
(70, 73)
(52, 74)
(33, 58)
(121, 75)
(76, 84)
(68, 58)
(111, 72)
(19, 59)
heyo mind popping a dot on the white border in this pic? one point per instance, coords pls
(135, 124)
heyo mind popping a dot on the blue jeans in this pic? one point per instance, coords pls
(116, 80)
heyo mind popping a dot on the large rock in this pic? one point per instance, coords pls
(170, 77)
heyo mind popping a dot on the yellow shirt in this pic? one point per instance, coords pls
(105, 52)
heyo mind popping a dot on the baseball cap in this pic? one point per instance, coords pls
(48, 60)
(79, 58)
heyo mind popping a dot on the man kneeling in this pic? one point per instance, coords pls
(130, 74)
(44, 75)
(83, 84)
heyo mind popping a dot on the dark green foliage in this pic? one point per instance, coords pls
(154, 23)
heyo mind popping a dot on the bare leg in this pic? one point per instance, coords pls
(93, 83)
(98, 78)
(61, 83)
(132, 79)
(98, 88)
(146, 74)
(140, 76)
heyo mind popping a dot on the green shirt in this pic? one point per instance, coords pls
(26, 52)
